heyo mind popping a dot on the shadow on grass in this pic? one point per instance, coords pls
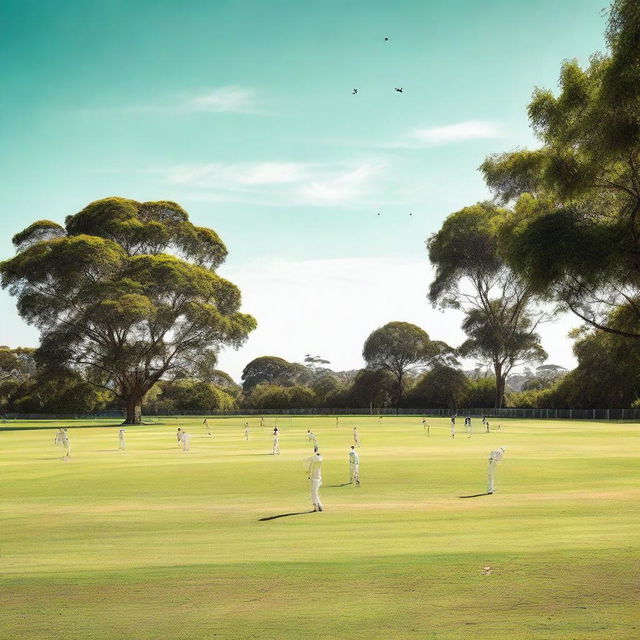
(285, 515)
(476, 495)
(335, 486)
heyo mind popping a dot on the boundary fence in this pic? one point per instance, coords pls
(508, 412)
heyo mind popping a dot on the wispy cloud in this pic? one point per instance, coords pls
(341, 187)
(470, 130)
(229, 99)
(448, 134)
(279, 183)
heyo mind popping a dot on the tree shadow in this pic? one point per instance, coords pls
(477, 495)
(285, 515)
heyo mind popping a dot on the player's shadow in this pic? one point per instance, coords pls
(335, 486)
(285, 515)
(476, 495)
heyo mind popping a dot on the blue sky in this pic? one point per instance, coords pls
(243, 112)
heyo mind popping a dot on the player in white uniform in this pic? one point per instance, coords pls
(246, 430)
(179, 436)
(314, 471)
(311, 437)
(425, 426)
(66, 443)
(453, 426)
(59, 439)
(494, 457)
(336, 422)
(205, 424)
(354, 466)
(356, 437)
(121, 441)
(186, 440)
(276, 442)
(468, 425)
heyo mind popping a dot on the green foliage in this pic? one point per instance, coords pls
(125, 295)
(442, 387)
(579, 244)
(400, 347)
(472, 275)
(274, 370)
(480, 393)
(372, 388)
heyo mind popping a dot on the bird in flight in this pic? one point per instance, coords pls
(399, 89)
(386, 39)
(354, 92)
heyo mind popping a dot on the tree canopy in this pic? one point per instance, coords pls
(574, 232)
(472, 275)
(126, 292)
(399, 348)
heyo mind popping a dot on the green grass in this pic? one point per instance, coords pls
(156, 543)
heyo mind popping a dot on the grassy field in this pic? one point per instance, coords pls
(154, 543)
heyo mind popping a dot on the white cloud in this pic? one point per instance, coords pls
(229, 99)
(470, 130)
(278, 183)
(217, 175)
(340, 188)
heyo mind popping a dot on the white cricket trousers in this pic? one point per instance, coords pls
(315, 492)
(492, 474)
(353, 472)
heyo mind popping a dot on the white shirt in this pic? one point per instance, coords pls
(315, 467)
(496, 455)
(354, 458)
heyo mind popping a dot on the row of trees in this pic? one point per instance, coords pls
(418, 373)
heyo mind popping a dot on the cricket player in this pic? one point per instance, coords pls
(336, 422)
(205, 424)
(314, 471)
(179, 436)
(486, 424)
(59, 439)
(121, 441)
(426, 426)
(453, 426)
(246, 430)
(66, 443)
(276, 442)
(186, 440)
(311, 437)
(354, 464)
(494, 457)
(468, 426)
(356, 437)
(261, 421)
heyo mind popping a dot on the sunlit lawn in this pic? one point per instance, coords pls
(157, 543)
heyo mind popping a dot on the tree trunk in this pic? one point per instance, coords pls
(500, 383)
(134, 410)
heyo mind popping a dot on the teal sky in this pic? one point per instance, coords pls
(243, 112)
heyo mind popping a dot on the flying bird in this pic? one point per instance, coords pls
(386, 39)
(399, 89)
(354, 92)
